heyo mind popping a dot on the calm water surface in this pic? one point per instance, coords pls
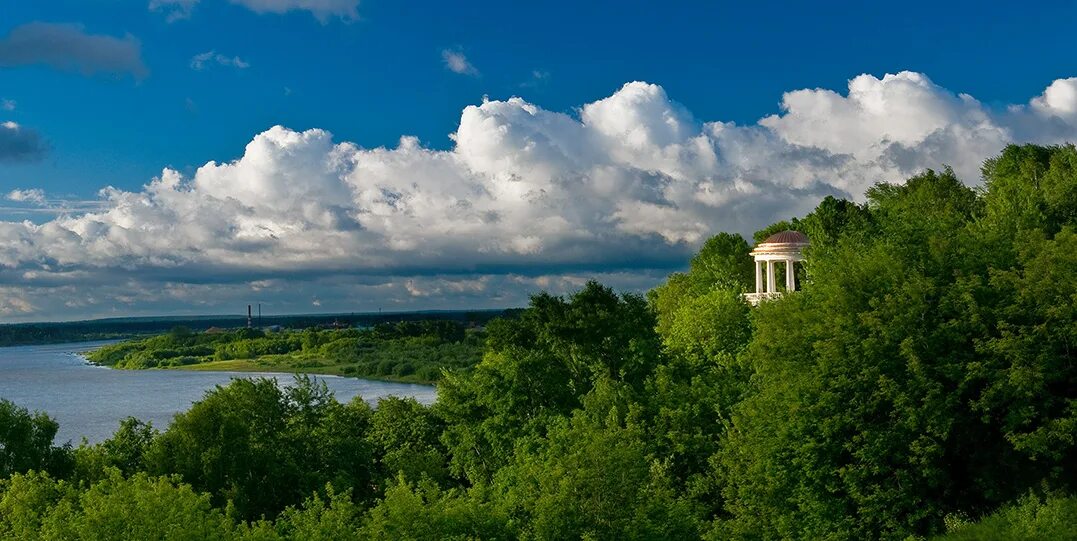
(89, 401)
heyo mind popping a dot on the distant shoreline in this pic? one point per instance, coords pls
(233, 365)
(244, 365)
(251, 365)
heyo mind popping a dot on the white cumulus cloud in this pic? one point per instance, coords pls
(1059, 99)
(624, 189)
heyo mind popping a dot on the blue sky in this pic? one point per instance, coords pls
(119, 120)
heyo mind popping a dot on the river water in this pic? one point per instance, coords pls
(89, 401)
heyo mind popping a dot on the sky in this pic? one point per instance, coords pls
(170, 157)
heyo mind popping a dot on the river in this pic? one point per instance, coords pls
(89, 401)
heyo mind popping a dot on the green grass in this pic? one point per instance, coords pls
(234, 365)
(286, 365)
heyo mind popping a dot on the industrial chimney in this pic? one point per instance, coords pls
(248, 316)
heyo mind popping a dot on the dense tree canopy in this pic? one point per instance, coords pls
(930, 368)
(263, 448)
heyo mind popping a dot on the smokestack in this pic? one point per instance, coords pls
(248, 316)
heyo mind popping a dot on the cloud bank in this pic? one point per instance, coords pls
(624, 189)
(69, 47)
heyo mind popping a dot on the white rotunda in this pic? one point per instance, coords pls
(786, 247)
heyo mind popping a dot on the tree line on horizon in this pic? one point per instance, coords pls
(20, 334)
(922, 384)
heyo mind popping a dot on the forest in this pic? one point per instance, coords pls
(411, 351)
(921, 385)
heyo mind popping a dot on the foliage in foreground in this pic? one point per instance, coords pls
(923, 383)
(1031, 518)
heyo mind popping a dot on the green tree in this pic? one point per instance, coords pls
(722, 263)
(34, 506)
(834, 219)
(335, 518)
(537, 368)
(125, 450)
(264, 447)
(405, 436)
(25, 503)
(1027, 374)
(1031, 187)
(589, 481)
(26, 442)
(423, 512)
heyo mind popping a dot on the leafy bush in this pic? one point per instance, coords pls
(1029, 519)
(139, 507)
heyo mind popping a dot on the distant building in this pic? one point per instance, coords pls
(786, 248)
(214, 330)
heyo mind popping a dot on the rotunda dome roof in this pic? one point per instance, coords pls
(787, 237)
(785, 243)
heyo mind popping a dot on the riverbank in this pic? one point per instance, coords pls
(409, 352)
(262, 365)
(273, 364)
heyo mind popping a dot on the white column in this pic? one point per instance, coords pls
(770, 276)
(758, 276)
(790, 277)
